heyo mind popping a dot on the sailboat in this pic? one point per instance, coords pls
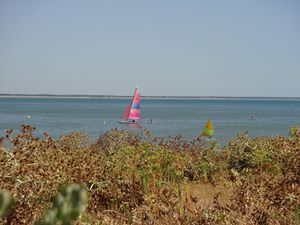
(132, 113)
(208, 130)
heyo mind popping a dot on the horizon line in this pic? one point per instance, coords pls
(146, 96)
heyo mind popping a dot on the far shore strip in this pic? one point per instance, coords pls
(145, 97)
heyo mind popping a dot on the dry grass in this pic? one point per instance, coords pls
(140, 179)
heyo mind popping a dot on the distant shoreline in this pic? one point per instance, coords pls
(145, 97)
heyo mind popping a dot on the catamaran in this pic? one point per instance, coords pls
(132, 113)
(208, 130)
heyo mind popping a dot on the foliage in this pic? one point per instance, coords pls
(137, 178)
(7, 203)
(295, 132)
(67, 206)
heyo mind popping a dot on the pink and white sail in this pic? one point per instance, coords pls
(133, 111)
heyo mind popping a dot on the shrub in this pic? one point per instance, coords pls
(67, 206)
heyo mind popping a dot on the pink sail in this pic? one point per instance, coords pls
(126, 112)
(135, 112)
(132, 111)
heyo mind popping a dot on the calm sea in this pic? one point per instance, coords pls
(95, 116)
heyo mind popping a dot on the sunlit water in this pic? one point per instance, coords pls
(95, 116)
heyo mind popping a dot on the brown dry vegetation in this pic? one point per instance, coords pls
(140, 179)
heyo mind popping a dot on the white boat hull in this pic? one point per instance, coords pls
(127, 122)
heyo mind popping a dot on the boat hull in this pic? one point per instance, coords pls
(127, 122)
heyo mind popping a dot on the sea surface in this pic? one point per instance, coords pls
(186, 117)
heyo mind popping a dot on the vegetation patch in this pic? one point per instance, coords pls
(137, 178)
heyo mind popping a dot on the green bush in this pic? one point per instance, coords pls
(7, 203)
(67, 206)
(294, 132)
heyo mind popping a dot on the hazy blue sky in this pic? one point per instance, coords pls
(205, 48)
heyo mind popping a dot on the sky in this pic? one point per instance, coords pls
(171, 48)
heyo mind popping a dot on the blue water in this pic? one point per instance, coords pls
(95, 116)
